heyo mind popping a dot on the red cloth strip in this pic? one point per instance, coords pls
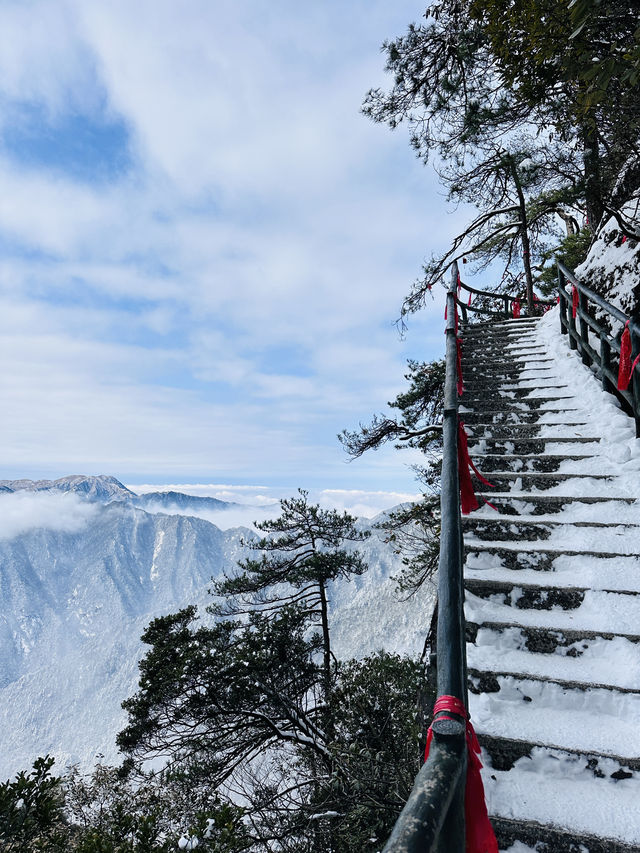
(624, 368)
(516, 308)
(480, 837)
(574, 301)
(468, 500)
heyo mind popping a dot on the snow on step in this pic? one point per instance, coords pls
(617, 539)
(615, 662)
(555, 622)
(592, 720)
(583, 570)
(599, 611)
(554, 788)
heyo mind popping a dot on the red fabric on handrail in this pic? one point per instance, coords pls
(480, 837)
(517, 308)
(625, 368)
(574, 301)
(468, 500)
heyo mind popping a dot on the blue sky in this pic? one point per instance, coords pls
(204, 245)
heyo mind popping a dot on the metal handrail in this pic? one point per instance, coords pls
(507, 300)
(432, 820)
(601, 359)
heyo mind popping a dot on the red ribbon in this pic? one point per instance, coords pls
(460, 382)
(626, 368)
(468, 500)
(480, 835)
(469, 299)
(516, 307)
(574, 303)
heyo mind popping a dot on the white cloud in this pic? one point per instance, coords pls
(24, 511)
(261, 214)
(261, 502)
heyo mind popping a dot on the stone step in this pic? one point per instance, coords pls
(556, 432)
(508, 384)
(506, 323)
(527, 596)
(557, 655)
(492, 417)
(525, 395)
(488, 681)
(515, 559)
(480, 330)
(528, 504)
(494, 528)
(508, 353)
(505, 372)
(546, 640)
(531, 462)
(504, 752)
(582, 718)
(533, 445)
(550, 839)
(523, 480)
(599, 611)
(502, 363)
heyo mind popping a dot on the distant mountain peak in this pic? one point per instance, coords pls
(101, 487)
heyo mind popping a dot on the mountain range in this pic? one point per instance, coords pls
(79, 583)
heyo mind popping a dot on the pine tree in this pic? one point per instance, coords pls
(301, 554)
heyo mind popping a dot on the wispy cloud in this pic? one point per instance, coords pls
(24, 511)
(258, 502)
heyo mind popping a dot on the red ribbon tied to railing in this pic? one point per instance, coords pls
(468, 500)
(480, 837)
(516, 308)
(574, 301)
(626, 368)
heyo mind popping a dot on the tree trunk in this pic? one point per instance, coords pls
(326, 651)
(592, 176)
(524, 236)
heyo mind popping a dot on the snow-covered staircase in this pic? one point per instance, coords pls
(552, 584)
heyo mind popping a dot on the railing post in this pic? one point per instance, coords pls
(583, 304)
(506, 307)
(605, 364)
(573, 333)
(562, 294)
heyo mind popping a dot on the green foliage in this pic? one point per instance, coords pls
(105, 812)
(487, 85)
(378, 747)
(413, 530)
(214, 696)
(572, 251)
(109, 813)
(303, 546)
(31, 810)
(322, 753)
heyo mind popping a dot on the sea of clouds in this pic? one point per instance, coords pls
(62, 511)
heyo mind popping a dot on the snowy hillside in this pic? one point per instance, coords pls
(80, 578)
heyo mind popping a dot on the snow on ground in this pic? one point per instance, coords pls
(582, 697)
